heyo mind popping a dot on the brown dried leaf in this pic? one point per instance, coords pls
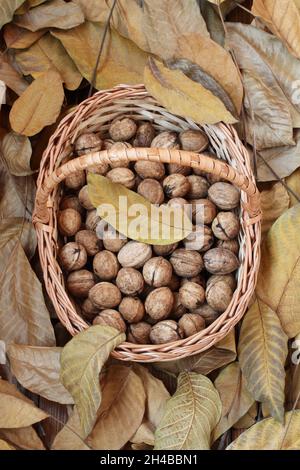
(235, 397)
(54, 14)
(93, 10)
(144, 435)
(71, 436)
(275, 201)
(38, 369)
(19, 38)
(293, 182)
(16, 151)
(5, 446)
(17, 411)
(7, 10)
(23, 438)
(16, 227)
(10, 76)
(121, 61)
(183, 96)
(121, 411)
(39, 105)
(248, 419)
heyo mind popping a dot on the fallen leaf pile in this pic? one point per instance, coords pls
(198, 62)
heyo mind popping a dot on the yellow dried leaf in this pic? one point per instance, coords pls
(93, 10)
(194, 403)
(181, 95)
(81, 362)
(45, 54)
(16, 151)
(5, 446)
(274, 202)
(39, 105)
(282, 18)
(7, 10)
(134, 216)
(268, 434)
(121, 61)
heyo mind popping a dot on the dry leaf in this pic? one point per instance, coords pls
(54, 14)
(204, 363)
(283, 160)
(10, 76)
(81, 362)
(144, 435)
(93, 10)
(293, 182)
(213, 22)
(2, 352)
(262, 354)
(37, 369)
(278, 286)
(268, 434)
(282, 18)
(39, 105)
(22, 438)
(16, 227)
(137, 218)
(121, 411)
(19, 191)
(17, 411)
(16, 151)
(248, 419)
(275, 201)
(19, 38)
(121, 61)
(235, 397)
(45, 54)
(181, 95)
(71, 436)
(5, 446)
(24, 318)
(7, 10)
(266, 58)
(195, 402)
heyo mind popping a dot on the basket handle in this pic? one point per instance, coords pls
(180, 157)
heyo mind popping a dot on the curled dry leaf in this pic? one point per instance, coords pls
(16, 151)
(22, 438)
(282, 18)
(181, 95)
(235, 397)
(10, 76)
(45, 54)
(195, 402)
(38, 369)
(39, 105)
(121, 411)
(54, 14)
(262, 353)
(268, 434)
(81, 362)
(20, 38)
(121, 61)
(7, 10)
(17, 411)
(275, 201)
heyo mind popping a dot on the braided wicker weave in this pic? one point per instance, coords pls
(94, 115)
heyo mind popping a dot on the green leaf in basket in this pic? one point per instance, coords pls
(134, 216)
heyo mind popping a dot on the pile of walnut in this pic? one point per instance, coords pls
(156, 293)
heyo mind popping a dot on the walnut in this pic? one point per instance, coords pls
(92, 220)
(110, 317)
(181, 203)
(89, 311)
(232, 245)
(157, 272)
(139, 333)
(186, 263)
(79, 283)
(224, 195)
(198, 187)
(72, 256)
(176, 185)
(164, 250)
(199, 279)
(134, 254)
(159, 303)
(207, 313)
(113, 241)
(71, 202)
(204, 211)
(228, 278)
(89, 240)
(153, 170)
(174, 283)
(219, 295)
(115, 161)
(75, 180)
(165, 332)
(178, 309)
(122, 129)
(132, 309)
(84, 198)
(226, 226)
(122, 176)
(151, 190)
(130, 281)
(191, 295)
(69, 222)
(193, 141)
(87, 142)
(175, 168)
(191, 323)
(200, 239)
(106, 265)
(220, 261)
(165, 140)
(105, 295)
(144, 135)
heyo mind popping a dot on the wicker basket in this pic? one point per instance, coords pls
(94, 115)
